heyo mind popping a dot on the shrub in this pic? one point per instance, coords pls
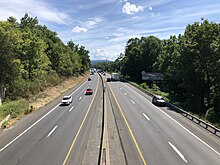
(15, 108)
(212, 116)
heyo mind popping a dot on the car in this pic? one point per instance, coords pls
(67, 100)
(158, 100)
(108, 79)
(89, 91)
(89, 79)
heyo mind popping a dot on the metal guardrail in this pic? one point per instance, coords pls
(195, 119)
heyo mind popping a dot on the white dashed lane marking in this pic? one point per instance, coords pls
(71, 109)
(52, 131)
(178, 152)
(146, 117)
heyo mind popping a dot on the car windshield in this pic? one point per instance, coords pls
(66, 98)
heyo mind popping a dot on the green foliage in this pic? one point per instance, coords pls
(15, 108)
(154, 89)
(104, 66)
(32, 57)
(212, 116)
(190, 64)
(140, 55)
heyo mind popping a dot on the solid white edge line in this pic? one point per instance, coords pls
(35, 122)
(132, 101)
(181, 125)
(178, 152)
(29, 128)
(146, 117)
(54, 128)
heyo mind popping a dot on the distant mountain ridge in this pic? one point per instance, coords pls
(93, 62)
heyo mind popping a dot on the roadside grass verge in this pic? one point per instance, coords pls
(23, 106)
(15, 108)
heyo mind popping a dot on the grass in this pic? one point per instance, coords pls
(15, 108)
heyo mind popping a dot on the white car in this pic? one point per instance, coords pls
(67, 100)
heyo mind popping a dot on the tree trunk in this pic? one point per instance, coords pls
(2, 93)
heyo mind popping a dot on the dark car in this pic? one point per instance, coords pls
(108, 79)
(89, 91)
(89, 79)
(158, 100)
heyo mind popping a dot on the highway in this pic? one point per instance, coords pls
(160, 136)
(56, 134)
(138, 132)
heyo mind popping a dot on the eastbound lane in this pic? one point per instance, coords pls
(48, 140)
(160, 138)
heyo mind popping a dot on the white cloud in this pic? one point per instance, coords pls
(121, 1)
(92, 22)
(102, 54)
(150, 8)
(43, 11)
(129, 8)
(89, 24)
(78, 29)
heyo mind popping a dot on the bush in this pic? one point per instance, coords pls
(22, 88)
(15, 108)
(154, 89)
(212, 116)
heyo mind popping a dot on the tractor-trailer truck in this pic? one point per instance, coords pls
(115, 77)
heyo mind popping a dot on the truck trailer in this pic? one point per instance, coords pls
(115, 77)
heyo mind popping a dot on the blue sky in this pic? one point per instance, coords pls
(104, 26)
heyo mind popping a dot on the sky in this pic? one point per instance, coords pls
(105, 26)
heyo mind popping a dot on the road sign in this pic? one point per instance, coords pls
(152, 76)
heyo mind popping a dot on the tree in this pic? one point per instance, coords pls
(140, 55)
(9, 39)
(199, 77)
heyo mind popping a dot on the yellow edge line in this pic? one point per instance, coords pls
(77, 134)
(129, 128)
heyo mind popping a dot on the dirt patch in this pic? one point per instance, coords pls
(48, 95)
(52, 93)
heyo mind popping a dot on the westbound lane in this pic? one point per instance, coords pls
(48, 140)
(161, 139)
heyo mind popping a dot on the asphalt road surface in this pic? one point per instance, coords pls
(161, 136)
(56, 134)
(138, 132)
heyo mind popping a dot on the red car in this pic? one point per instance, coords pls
(89, 92)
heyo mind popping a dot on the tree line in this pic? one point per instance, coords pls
(33, 57)
(189, 62)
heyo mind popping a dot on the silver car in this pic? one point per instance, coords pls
(158, 100)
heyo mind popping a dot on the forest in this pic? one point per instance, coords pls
(190, 64)
(32, 58)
